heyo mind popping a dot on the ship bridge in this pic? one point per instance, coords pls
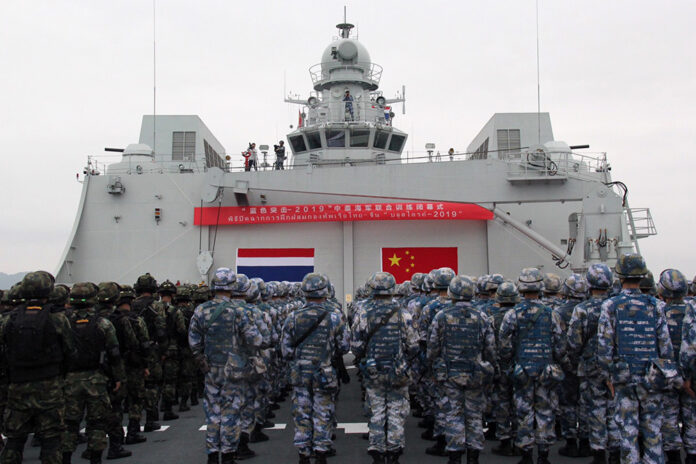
(346, 119)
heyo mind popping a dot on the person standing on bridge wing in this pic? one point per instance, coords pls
(221, 334)
(311, 337)
(384, 340)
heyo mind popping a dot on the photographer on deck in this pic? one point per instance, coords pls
(280, 155)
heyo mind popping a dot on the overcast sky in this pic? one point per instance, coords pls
(76, 76)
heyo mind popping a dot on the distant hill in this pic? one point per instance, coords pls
(8, 280)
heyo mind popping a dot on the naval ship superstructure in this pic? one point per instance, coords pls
(176, 206)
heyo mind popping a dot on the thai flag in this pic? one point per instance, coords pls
(290, 264)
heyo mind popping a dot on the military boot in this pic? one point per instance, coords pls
(527, 456)
(151, 424)
(472, 456)
(95, 457)
(393, 456)
(243, 450)
(505, 448)
(490, 433)
(67, 458)
(257, 435)
(614, 457)
(168, 412)
(543, 457)
(599, 457)
(690, 459)
(455, 457)
(194, 398)
(214, 458)
(570, 449)
(319, 457)
(584, 450)
(304, 459)
(227, 458)
(86, 455)
(673, 457)
(428, 434)
(268, 424)
(133, 437)
(377, 457)
(183, 405)
(116, 450)
(438, 449)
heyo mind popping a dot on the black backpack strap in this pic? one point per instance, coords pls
(309, 331)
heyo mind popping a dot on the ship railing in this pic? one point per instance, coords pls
(526, 165)
(640, 223)
(371, 73)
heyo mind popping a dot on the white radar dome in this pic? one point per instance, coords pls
(344, 52)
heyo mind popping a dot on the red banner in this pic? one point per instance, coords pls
(235, 215)
(403, 262)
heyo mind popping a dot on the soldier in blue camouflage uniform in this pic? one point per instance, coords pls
(462, 348)
(506, 297)
(531, 334)
(582, 350)
(633, 345)
(672, 288)
(687, 364)
(221, 334)
(384, 341)
(551, 291)
(311, 337)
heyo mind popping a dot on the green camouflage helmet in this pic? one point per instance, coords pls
(241, 285)
(599, 276)
(493, 281)
(417, 281)
(481, 284)
(83, 294)
(631, 265)
(108, 292)
(60, 294)
(442, 277)
(315, 285)
(673, 284)
(145, 284)
(167, 288)
(461, 288)
(552, 283)
(530, 280)
(15, 295)
(126, 294)
(647, 283)
(37, 285)
(382, 283)
(183, 293)
(201, 294)
(507, 293)
(576, 286)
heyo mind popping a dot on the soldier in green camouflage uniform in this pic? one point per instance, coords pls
(187, 365)
(177, 334)
(86, 382)
(156, 322)
(200, 295)
(37, 341)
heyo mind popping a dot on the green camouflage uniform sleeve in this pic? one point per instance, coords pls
(112, 349)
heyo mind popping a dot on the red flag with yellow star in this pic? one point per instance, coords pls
(402, 263)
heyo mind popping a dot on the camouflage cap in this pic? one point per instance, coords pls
(442, 277)
(183, 293)
(223, 279)
(241, 285)
(281, 289)
(647, 283)
(286, 287)
(631, 265)
(552, 283)
(315, 285)
(83, 294)
(481, 284)
(416, 281)
(692, 286)
(507, 293)
(107, 292)
(599, 276)
(461, 288)
(493, 281)
(576, 286)
(38, 284)
(60, 294)
(167, 288)
(382, 283)
(673, 284)
(530, 280)
(145, 284)
(126, 294)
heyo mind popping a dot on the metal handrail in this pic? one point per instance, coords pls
(373, 73)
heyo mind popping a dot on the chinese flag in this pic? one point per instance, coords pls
(402, 263)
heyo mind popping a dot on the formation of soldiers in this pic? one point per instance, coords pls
(603, 360)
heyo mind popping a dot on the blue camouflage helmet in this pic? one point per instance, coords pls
(404, 289)
(673, 284)
(461, 288)
(37, 285)
(271, 288)
(223, 279)
(315, 285)
(481, 282)
(253, 292)
(507, 293)
(382, 283)
(417, 281)
(442, 277)
(647, 283)
(692, 287)
(241, 285)
(263, 288)
(530, 280)
(599, 276)
(631, 265)
(576, 286)
(427, 283)
(552, 283)
(493, 281)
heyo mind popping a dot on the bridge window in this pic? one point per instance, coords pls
(359, 137)
(381, 138)
(314, 140)
(396, 143)
(336, 138)
(298, 144)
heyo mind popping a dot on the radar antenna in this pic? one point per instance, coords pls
(345, 27)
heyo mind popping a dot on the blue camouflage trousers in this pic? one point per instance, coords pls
(312, 410)
(389, 408)
(596, 405)
(501, 408)
(535, 405)
(222, 404)
(671, 417)
(637, 415)
(689, 423)
(463, 417)
(568, 401)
